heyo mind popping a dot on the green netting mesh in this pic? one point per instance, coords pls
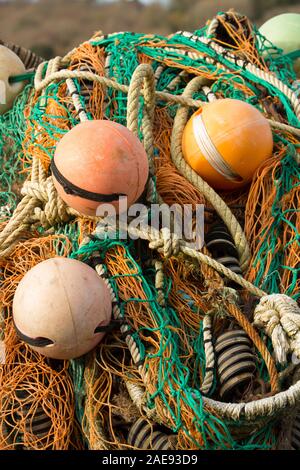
(12, 131)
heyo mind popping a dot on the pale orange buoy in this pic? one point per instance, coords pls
(61, 308)
(226, 141)
(10, 65)
(99, 162)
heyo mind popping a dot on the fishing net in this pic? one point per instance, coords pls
(172, 304)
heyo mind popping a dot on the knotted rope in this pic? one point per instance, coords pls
(279, 317)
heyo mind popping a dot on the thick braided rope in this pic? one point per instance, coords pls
(209, 356)
(217, 202)
(255, 410)
(142, 79)
(41, 83)
(159, 282)
(279, 316)
(137, 395)
(169, 245)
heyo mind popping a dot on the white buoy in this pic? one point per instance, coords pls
(284, 32)
(61, 308)
(10, 65)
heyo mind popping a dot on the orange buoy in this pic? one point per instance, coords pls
(61, 308)
(226, 141)
(99, 162)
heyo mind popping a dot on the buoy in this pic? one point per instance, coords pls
(222, 248)
(145, 435)
(10, 65)
(99, 162)
(284, 32)
(226, 141)
(61, 308)
(235, 361)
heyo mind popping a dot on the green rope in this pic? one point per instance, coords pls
(24, 77)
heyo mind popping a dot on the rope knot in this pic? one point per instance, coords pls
(45, 194)
(35, 190)
(55, 209)
(279, 316)
(168, 243)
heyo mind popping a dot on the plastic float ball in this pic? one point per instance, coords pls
(10, 65)
(226, 141)
(284, 32)
(99, 162)
(61, 308)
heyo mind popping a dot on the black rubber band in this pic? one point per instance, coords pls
(37, 342)
(107, 328)
(70, 188)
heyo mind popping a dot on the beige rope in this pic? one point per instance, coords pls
(279, 317)
(159, 282)
(170, 245)
(138, 396)
(209, 356)
(142, 79)
(41, 83)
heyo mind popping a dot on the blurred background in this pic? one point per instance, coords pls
(51, 27)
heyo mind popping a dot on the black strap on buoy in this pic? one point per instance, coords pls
(37, 342)
(113, 325)
(70, 188)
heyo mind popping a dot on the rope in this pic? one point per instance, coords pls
(170, 245)
(209, 356)
(261, 347)
(182, 100)
(279, 317)
(143, 76)
(267, 77)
